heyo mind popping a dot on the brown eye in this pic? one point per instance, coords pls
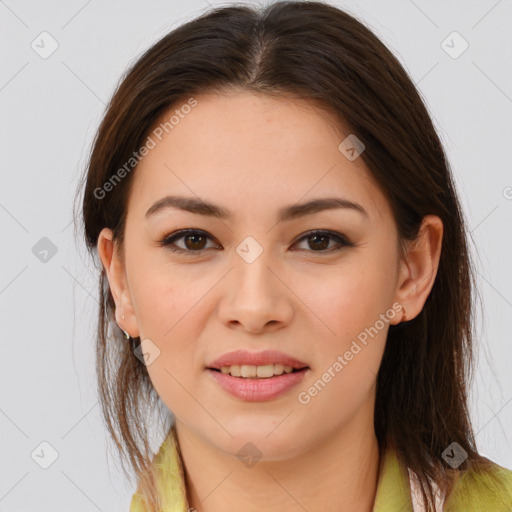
(194, 241)
(318, 241)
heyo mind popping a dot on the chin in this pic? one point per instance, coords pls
(261, 438)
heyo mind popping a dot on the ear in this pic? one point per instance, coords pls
(418, 271)
(116, 275)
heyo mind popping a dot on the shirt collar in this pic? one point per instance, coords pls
(393, 491)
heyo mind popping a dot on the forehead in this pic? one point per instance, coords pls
(247, 150)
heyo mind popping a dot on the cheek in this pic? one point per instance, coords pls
(171, 319)
(170, 313)
(348, 301)
(354, 309)
(165, 298)
(174, 372)
(350, 356)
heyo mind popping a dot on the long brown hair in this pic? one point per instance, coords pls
(314, 51)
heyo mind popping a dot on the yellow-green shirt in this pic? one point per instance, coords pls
(472, 493)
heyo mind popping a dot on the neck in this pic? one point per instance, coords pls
(340, 473)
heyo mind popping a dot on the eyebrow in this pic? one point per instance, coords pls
(288, 213)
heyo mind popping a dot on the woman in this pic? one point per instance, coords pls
(283, 248)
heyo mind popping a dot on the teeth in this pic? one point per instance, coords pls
(264, 371)
(235, 371)
(279, 369)
(250, 371)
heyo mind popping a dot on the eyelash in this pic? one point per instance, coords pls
(168, 240)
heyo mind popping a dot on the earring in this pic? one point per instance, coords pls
(126, 335)
(404, 316)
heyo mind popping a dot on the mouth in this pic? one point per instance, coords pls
(257, 376)
(254, 372)
(254, 388)
(264, 364)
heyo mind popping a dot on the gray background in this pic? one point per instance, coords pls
(50, 109)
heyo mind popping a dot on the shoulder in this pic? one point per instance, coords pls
(170, 479)
(487, 489)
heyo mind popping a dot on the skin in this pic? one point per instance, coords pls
(253, 155)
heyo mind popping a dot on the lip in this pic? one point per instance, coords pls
(258, 390)
(265, 357)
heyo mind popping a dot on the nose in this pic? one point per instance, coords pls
(256, 297)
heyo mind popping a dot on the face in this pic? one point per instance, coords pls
(257, 280)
